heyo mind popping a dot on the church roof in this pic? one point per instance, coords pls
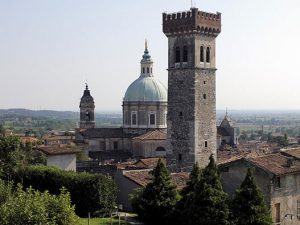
(152, 135)
(146, 89)
(103, 133)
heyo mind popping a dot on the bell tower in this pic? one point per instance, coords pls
(192, 132)
(87, 107)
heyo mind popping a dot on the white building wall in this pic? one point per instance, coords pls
(64, 162)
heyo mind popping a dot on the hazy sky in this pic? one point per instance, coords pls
(49, 48)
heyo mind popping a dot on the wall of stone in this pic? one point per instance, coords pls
(64, 162)
(192, 134)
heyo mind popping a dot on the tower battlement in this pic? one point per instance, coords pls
(192, 21)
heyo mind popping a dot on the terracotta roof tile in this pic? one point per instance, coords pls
(142, 178)
(148, 163)
(57, 150)
(152, 135)
(276, 163)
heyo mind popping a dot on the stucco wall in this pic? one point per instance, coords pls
(146, 149)
(64, 162)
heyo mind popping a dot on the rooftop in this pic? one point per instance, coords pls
(57, 150)
(142, 178)
(152, 135)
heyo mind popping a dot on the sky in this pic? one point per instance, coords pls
(49, 48)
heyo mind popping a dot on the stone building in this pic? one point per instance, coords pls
(192, 129)
(144, 119)
(277, 175)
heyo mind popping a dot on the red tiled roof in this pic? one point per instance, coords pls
(152, 135)
(57, 150)
(142, 178)
(294, 152)
(276, 164)
(148, 163)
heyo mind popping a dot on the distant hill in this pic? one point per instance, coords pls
(39, 114)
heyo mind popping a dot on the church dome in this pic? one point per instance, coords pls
(146, 89)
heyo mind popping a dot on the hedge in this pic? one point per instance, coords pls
(89, 192)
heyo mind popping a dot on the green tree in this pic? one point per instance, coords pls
(209, 205)
(32, 207)
(248, 206)
(156, 203)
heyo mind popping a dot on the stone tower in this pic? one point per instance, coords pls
(192, 133)
(87, 107)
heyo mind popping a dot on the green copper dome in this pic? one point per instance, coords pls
(147, 89)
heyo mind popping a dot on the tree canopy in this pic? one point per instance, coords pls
(248, 206)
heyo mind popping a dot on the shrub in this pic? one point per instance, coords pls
(89, 192)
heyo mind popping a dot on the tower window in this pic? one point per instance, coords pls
(143, 70)
(180, 115)
(152, 119)
(204, 96)
(115, 145)
(201, 54)
(177, 55)
(205, 144)
(180, 157)
(147, 69)
(185, 54)
(204, 82)
(208, 55)
(134, 118)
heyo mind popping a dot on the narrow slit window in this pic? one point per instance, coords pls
(177, 55)
(180, 115)
(148, 70)
(208, 55)
(143, 70)
(205, 144)
(185, 54)
(180, 157)
(204, 96)
(201, 54)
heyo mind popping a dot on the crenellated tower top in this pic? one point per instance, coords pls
(192, 21)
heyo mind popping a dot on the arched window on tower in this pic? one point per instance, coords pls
(177, 55)
(201, 54)
(185, 54)
(143, 70)
(208, 55)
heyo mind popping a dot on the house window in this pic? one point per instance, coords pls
(208, 55)
(185, 54)
(204, 96)
(277, 183)
(205, 144)
(152, 119)
(201, 54)
(134, 118)
(115, 145)
(177, 55)
(277, 213)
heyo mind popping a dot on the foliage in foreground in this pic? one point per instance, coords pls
(202, 202)
(89, 192)
(32, 207)
(248, 206)
(156, 203)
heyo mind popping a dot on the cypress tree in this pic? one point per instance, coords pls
(209, 205)
(183, 207)
(248, 205)
(156, 203)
